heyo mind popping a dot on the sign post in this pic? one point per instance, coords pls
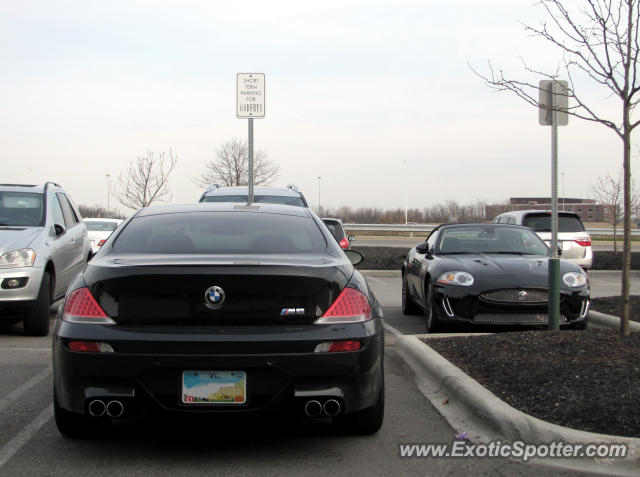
(554, 102)
(250, 104)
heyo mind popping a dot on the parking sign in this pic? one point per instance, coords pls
(250, 95)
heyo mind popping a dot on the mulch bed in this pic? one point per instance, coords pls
(612, 305)
(588, 380)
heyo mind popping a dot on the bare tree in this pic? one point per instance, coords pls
(146, 180)
(599, 42)
(230, 167)
(609, 192)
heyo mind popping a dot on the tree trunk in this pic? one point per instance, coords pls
(615, 243)
(626, 248)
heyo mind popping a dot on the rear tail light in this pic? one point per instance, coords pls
(101, 242)
(81, 307)
(337, 346)
(351, 306)
(90, 347)
(583, 243)
(344, 243)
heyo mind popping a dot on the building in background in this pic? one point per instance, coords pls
(587, 209)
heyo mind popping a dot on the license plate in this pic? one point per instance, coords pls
(214, 387)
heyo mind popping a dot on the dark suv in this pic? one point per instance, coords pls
(289, 195)
(43, 246)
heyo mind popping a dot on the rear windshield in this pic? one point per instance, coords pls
(221, 232)
(100, 226)
(542, 223)
(265, 199)
(21, 208)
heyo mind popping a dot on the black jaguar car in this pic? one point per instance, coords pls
(489, 274)
(219, 309)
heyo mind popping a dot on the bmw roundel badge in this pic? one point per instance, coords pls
(214, 297)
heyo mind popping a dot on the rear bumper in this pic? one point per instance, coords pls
(282, 370)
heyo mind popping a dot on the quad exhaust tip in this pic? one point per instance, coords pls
(115, 409)
(97, 408)
(331, 407)
(313, 408)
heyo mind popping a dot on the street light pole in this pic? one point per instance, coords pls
(319, 206)
(406, 202)
(562, 174)
(108, 191)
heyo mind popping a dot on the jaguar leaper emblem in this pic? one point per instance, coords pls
(214, 297)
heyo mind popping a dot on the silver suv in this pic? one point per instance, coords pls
(43, 245)
(289, 195)
(573, 239)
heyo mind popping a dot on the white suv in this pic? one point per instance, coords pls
(573, 239)
(43, 246)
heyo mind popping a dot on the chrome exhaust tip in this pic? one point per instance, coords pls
(97, 408)
(115, 409)
(313, 408)
(332, 407)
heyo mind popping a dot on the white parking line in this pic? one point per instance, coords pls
(16, 393)
(25, 349)
(376, 280)
(15, 444)
(393, 330)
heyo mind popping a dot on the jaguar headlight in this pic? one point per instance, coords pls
(574, 279)
(23, 257)
(456, 278)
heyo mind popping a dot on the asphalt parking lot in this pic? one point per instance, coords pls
(31, 445)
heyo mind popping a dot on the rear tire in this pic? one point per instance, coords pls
(36, 320)
(408, 306)
(76, 426)
(369, 420)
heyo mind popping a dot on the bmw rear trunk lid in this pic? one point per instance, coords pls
(178, 290)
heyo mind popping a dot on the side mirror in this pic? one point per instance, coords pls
(59, 229)
(354, 256)
(351, 238)
(423, 248)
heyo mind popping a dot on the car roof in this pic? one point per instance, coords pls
(101, 219)
(33, 188)
(263, 208)
(281, 191)
(521, 213)
(479, 224)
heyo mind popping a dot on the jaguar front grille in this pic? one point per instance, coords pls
(515, 318)
(515, 295)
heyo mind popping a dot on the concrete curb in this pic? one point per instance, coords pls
(380, 273)
(487, 417)
(611, 322)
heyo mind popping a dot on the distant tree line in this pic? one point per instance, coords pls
(449, 211)
(99, 212)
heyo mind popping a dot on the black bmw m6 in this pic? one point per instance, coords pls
(219, 309)
(489, 274)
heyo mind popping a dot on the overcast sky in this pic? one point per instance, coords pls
(353, 89)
